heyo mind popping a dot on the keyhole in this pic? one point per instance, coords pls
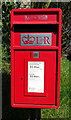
(21, 78)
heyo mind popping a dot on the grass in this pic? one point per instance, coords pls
(63, 110)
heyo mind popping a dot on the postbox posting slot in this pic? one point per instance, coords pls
(35, 27)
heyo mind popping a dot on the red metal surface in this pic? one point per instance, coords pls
(51, 20)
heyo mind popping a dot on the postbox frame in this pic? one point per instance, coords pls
(58, 48)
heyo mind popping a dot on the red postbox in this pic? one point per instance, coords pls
(35, 57)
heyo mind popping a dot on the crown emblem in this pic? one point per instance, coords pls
(28, 39)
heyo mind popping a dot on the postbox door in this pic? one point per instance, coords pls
(43, 89)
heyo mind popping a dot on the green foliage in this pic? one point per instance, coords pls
(6, 8)
(63, 111)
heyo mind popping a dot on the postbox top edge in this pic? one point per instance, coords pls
(37, 10)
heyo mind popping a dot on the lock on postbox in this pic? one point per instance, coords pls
(35, 57)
